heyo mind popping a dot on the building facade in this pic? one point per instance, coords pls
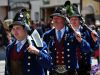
(46, 8)
(35, 9)
(3, 9)
(42, 9)
(15, 5)
(91, 7)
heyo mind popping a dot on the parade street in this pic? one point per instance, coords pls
(2, 60)
(2, 63)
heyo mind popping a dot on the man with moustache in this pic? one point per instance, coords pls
(62, 44)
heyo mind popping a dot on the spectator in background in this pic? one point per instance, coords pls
(7, 23)
(3, 35)
(9, 36)
(37, 27)
(48, 25)
(33, 25)
(42, 25)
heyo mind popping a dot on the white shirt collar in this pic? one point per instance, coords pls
(78, 29)
(22, 42)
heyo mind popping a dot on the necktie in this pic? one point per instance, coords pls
(59, 35)
(18, 46)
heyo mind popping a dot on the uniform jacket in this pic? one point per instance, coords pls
(86, 57)
(87, 36)
(70, 45)
(37, 63)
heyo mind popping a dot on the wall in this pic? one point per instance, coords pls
(3, 8)
(37, 4)
(3, 2)
(35, 10)
(94, 4)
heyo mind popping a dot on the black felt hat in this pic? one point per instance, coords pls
(20, 19)
(58, 12)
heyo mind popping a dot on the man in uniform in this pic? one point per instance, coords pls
(23, 58)
(84, 59)
(62, 44)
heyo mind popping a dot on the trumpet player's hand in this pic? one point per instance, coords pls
(93, 35)
(33, 49)
(78, 36)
